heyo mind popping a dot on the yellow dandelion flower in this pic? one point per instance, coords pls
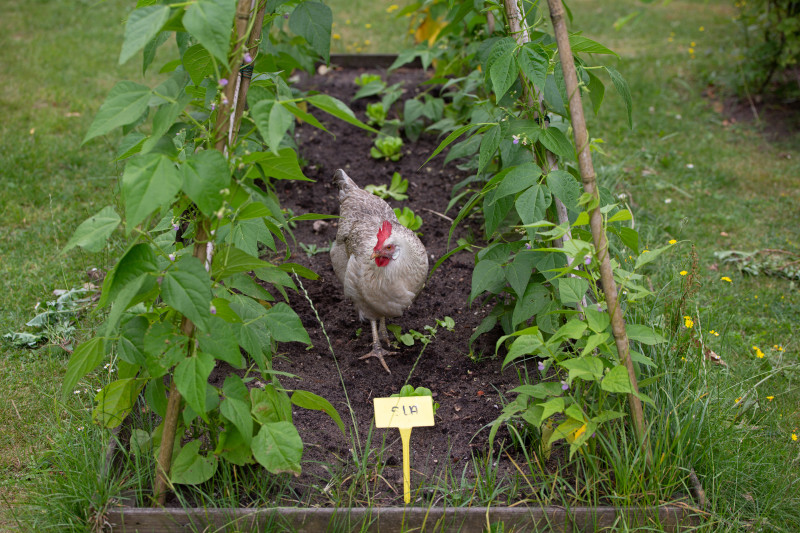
(739, 399)
(645, 251)
(395, 7)
(692, 45)
(759, 353)
(701, 28)
(688, 322)
(683, 272)
(347, 21)
(683, 359)
(713, 332)
(672, 241)
(726, 278)
(368, 25)
(770, 398)
(691, 50)
(670, 39)
(367, 42)
(794, 437)
(336, 36)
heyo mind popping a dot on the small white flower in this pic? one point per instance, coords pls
(667, 200)
(80, 428)
(171, 257)
(622, 196)
(689, 165)
(76, 392)
(678, 117)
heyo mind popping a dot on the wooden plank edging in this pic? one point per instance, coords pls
(670, 518)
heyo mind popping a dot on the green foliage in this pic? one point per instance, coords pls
(387, 147)
(408, 218)
(180, 299)
(771, 31)
(425, 338)
(396, 190)
(408, 391)
(56, 323)
(543, 276)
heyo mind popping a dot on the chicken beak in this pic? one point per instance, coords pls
(375, 255)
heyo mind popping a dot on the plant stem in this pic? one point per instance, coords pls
(174, 403)
(595, 217)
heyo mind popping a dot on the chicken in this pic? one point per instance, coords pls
(381, 263)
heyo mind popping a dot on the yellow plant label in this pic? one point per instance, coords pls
(403, 412)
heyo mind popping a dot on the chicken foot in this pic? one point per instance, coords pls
(378, 350)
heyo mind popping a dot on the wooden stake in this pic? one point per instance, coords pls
(595, 217)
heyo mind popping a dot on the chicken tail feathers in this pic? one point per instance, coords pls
(343, 181)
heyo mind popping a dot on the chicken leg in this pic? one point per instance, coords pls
(378, 350)
(384, 334)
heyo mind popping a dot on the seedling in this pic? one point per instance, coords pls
(408, 218)
(396, 190)
(425, 338)
(364, 79)
(387, 147)
(312, 249)
(376, 114)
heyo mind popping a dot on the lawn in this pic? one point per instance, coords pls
(687, 171)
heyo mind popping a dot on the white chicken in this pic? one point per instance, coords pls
(381, 263)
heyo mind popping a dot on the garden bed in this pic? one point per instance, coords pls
(469, 385)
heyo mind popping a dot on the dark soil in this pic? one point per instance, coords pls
(469, 391)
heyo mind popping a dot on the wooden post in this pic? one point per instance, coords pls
(595, 217)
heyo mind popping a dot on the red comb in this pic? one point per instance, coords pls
(384, 233)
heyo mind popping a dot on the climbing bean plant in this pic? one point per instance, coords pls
(199, 215)
(507, 122)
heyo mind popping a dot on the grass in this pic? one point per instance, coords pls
(739, 193)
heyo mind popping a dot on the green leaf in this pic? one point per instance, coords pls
(622, 214)
(489, 144)
(617, 380)
(235, 406)
(116, 401)
(486, 275)
(312, 21)
(551, 407)
(449, 139)
(229, 260)
(644, 334)
(126, 102)
(579, 43)
(300, 270)
(284, 325)
(523, 345)
(504, 72)
(191, 377)
(187, 288)
(518, 179)
(587, 368)
(649, 256)
(564, 187)
(533, 61)
(535, 299)
(555, 141)
(210, 22)
(148, 184)
(198, 63)
(309, 400)
(220, 342)
(138, 260)
(598, 320)
(596, 91)
(519, 272)
(572, 290)
(540, 390)
(278, 447)
(142, 25)
(594, 341)
(283, 166)
(532, 206)
(272, 121)
(205, 174)
(338, 109)
(622, 89)
(93, 232)
(87, 356)
(130, 345)
(192, 468)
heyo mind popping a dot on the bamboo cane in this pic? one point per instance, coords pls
(234, 92)
(595, 217)
(536, 101)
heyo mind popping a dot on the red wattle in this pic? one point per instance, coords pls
(382, 261)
